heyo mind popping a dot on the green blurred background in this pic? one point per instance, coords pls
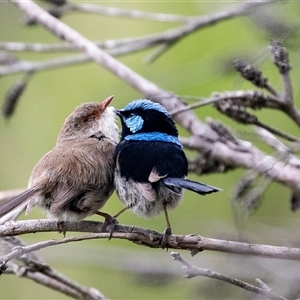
(198, 65)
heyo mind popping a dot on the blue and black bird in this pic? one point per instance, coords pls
(150, 163)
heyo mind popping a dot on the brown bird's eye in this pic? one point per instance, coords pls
(90, 119)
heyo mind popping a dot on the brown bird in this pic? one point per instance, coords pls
(75, 179)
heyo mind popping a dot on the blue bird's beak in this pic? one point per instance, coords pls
(118, 112)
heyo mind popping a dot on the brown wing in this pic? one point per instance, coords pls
(69, 170)
(63, 195)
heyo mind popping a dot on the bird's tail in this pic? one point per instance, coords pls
(194, 186)
(14, 202)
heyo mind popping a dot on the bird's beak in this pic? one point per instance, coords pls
(118, 112)
(106, 102)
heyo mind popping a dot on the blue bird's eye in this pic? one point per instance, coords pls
(134, 122)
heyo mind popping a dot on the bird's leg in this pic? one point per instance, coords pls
(120, 212)
(110, 221)
(109, 224)
(168, 230)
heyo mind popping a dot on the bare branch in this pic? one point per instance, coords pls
(247, 156)
(126, 13)
(36, 269)
(253, 99)
(140, 42)
(193, 271)
(140, 236)
(277, 132)
(131, 44)
(27, 66)
(174, 35)
(39, 277)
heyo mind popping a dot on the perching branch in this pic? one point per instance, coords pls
(146, 237)
(211, 140)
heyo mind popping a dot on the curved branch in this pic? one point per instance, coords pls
(31, 267)
(193, 271)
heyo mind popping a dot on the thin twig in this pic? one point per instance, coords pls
(201, 103)
(126, 13)
(245, 98)
(142, 42)
(277, 132)
(32, 267)
(157, 52)
(285, 153)
(27, 66)
(249, 98)
(39, 277)
(168, 36)
(193, 271)
(240, 9)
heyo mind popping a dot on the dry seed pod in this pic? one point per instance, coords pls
(13, 95)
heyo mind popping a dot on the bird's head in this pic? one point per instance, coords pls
(90, 119)
(145, 116)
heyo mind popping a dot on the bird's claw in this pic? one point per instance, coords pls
(109, 225)
(61, 227)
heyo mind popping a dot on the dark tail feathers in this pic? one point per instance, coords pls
(11, 204)
(194, 186)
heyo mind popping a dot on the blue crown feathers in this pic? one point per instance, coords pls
(146, 104)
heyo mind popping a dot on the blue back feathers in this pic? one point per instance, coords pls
(145, 104)
(153, 136)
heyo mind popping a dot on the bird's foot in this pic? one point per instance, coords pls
(109, 224)
(61, 228)
(165, 239)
